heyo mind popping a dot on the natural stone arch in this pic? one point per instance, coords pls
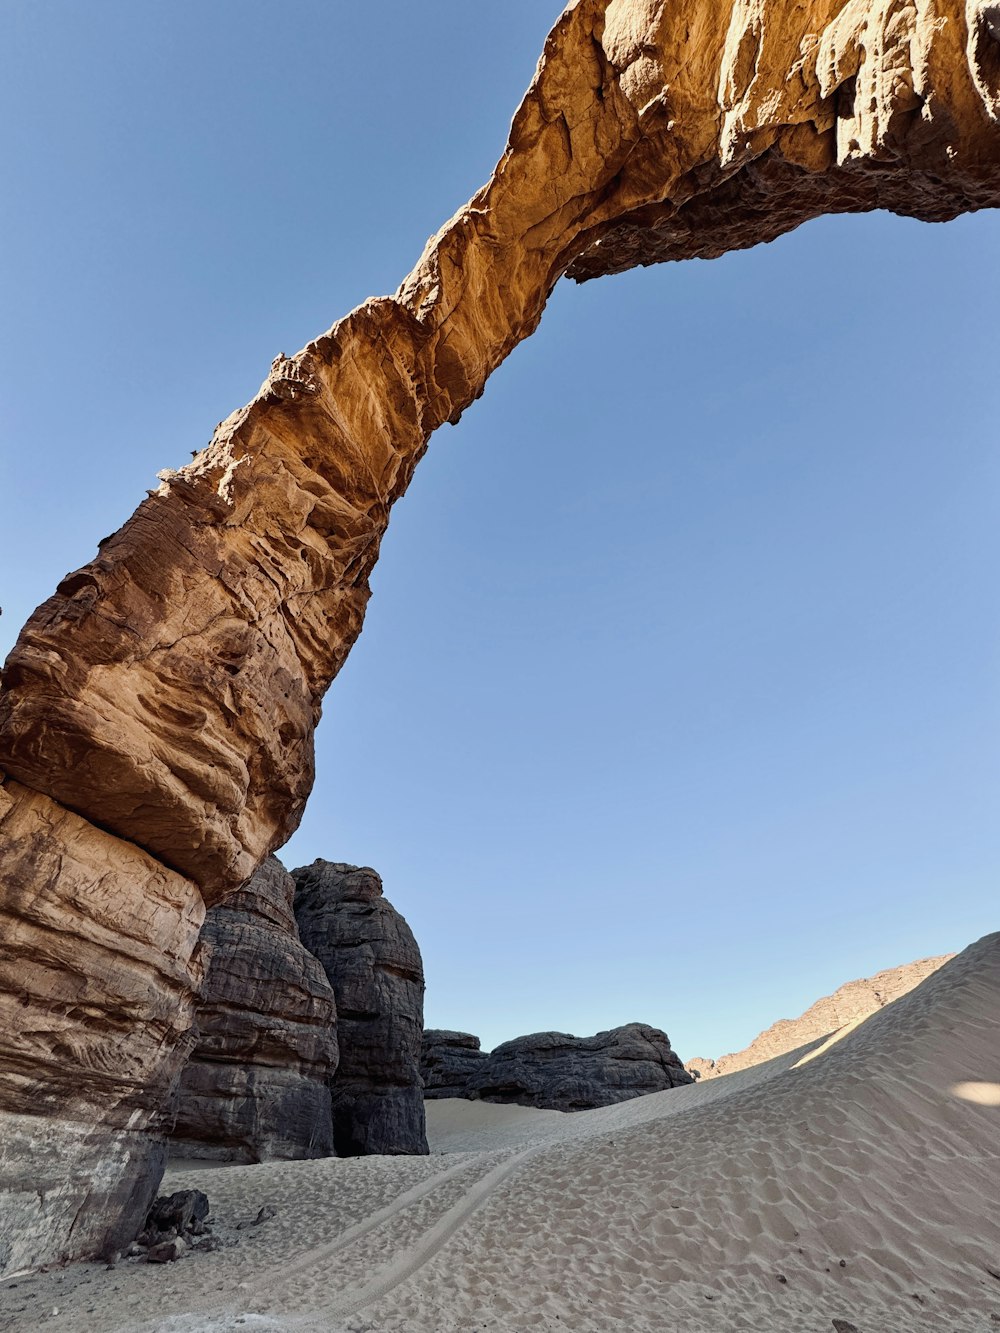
(157, 713)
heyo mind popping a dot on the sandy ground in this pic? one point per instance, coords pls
(860, 1184)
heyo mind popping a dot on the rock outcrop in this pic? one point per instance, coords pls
(374, 966)
(159, 708)
(98, 980)
(848, 1005)
(448, 1060)
(256, 1085)
(556, 1072)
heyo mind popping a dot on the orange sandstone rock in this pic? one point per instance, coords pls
(169, 690)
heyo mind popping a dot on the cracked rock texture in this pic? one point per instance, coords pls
(169, 689)
(847, 1006)
(257, 1084)
(556, 1072)
(447, 1061)
(167, 693)
(374, 966)
(98, 979)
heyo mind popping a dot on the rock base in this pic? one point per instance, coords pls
(69, 1190)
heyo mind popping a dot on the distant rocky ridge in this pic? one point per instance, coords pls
(447, 1061)
(375, 968)
(848, 1004)
(256, 1086)
(558, 1072)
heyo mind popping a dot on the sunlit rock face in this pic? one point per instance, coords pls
(167, 693)
(257, 1084)
(374, 966)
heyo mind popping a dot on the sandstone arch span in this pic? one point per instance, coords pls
(157, 713)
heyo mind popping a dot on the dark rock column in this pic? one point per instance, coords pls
(257, 1084)
(374, 966)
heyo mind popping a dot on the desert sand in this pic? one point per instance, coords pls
(861, 1185)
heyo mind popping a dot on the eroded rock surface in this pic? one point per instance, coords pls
(168, 691)
(257, 1084)
(849, 1004)
(98, 979)
(448, 1060)
(556, 1072)
(374, 966)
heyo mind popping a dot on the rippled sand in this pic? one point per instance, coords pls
(858, 1181)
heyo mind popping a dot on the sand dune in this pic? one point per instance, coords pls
(860, 1186)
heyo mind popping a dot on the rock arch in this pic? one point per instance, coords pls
(157, 712)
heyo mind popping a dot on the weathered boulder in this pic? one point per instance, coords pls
(172, 1227)
(557, 1072)
(184, 1210)
(849, 1004)
(98, 981)
(168, 691)
(256, 1085)
(374, 966)
(447, 1061)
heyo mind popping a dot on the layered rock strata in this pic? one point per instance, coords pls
(848, 1005)
(556, 1072)
(257, 1084)
(448, 1060)
(98, 979)
(374, 966)
(167, 692)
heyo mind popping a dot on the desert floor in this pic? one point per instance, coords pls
(857, 1181)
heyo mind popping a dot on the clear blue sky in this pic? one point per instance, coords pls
(677, 699)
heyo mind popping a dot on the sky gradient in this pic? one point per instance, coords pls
(677, 697)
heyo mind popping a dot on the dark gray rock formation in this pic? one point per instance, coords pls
(448, 1060)
(554, 1071)
(374, 966)
(257, 1084)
